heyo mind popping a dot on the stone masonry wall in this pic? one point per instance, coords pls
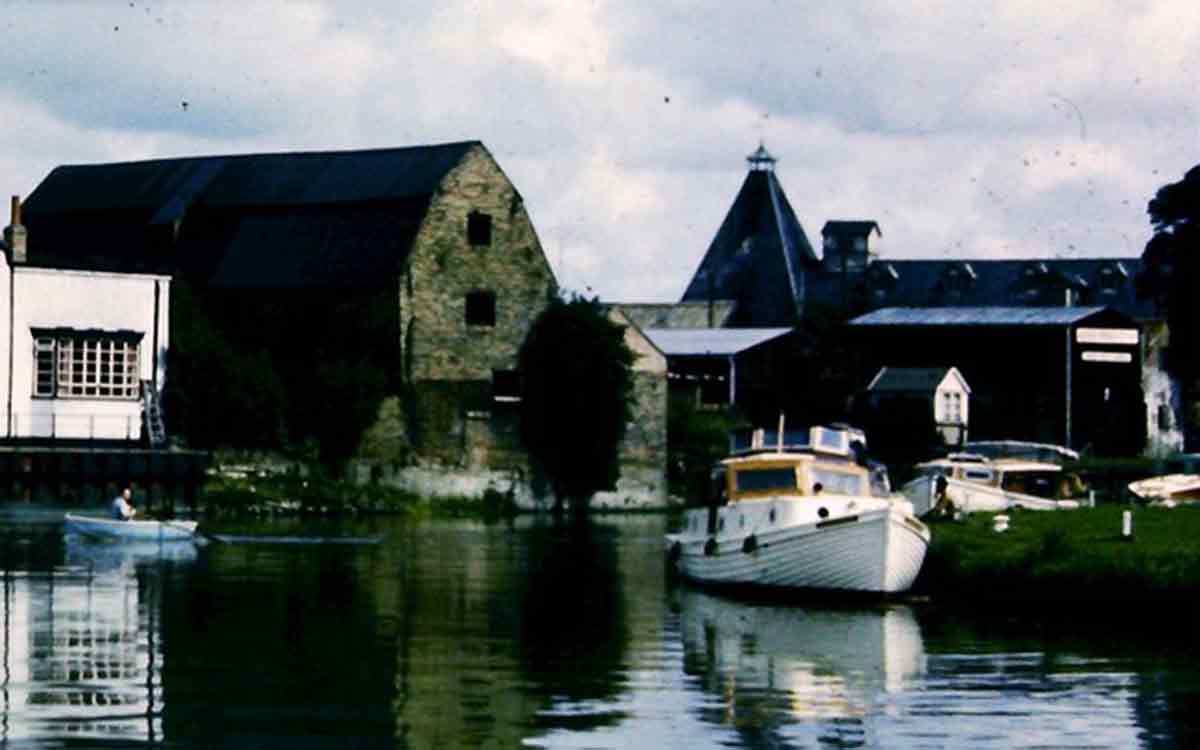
(444, 268)
(441, 352)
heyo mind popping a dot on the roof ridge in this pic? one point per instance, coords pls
(260, 154)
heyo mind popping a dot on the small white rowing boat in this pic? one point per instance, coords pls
(111, 529)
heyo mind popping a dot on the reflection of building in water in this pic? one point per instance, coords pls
(81, 651)
(802, 663)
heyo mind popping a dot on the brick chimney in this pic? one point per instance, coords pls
(15, 234)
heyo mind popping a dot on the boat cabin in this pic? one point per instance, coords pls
(1035, 478)
(821, 460)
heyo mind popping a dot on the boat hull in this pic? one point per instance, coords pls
(878, 551)
(143, 531)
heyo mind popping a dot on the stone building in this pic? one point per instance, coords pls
(419, 265)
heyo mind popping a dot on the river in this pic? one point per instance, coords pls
(526, 634)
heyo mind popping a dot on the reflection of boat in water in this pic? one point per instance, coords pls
(823, 663)
(814, 514)
(119, 556)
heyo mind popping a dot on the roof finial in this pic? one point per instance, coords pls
(761, 160)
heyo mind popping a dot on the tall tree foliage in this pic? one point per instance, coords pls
(576, 398)
(1171, 270)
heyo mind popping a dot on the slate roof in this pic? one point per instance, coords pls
(758, 256)
(700, 342)
(278, 219)
(1029, 282)
(908, 379)
(976, 316)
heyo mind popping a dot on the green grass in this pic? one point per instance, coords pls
(1066, 557)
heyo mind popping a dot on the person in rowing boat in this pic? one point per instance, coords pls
(122, 505)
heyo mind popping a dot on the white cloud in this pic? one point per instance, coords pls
(992, 128)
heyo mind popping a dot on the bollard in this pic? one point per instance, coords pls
(1000, 523)
(1127, 525)
(1091, 498)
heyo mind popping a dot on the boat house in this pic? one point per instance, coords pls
(942, 390)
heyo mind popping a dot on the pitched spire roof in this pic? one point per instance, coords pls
(758, 255)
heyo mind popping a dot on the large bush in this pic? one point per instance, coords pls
(577, 389)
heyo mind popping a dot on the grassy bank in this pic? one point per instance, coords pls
(1066, 557)
(297, 495)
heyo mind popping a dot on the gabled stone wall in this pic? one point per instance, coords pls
(448, 358)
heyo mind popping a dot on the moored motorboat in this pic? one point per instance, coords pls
(810, 515)
(974, 483)
(110, 529)
(1174, 488)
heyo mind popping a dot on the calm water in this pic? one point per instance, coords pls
(464, 635)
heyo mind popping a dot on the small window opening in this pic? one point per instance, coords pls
(506, 386)
(481, 309)
(479, 229)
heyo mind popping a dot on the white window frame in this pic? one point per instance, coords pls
(91, 365)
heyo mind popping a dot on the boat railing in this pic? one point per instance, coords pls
(837, 441)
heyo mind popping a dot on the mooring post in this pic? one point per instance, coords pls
(1127, 525)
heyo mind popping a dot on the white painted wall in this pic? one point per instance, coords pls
(53, 298)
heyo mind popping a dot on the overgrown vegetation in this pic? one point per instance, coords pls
(696, 440)
(1171, 267)
(277, 372)
(576, 398)
(1066, 557)
(291, 494)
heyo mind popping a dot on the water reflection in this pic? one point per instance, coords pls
(777, 672)
(82, 652)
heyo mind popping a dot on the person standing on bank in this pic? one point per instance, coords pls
(122, 505)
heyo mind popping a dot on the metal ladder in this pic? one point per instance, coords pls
(152, 413)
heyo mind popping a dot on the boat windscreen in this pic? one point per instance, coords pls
(838, 482)
(760, 480)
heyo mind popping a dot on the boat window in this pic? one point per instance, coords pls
(758, 480)
(978, 476)
(836, 482)
(1037, 483)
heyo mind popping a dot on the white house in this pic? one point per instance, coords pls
(943, 387)
(82, 350)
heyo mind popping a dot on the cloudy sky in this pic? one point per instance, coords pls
(966, 129)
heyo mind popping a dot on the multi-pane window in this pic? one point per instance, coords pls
(75, 365)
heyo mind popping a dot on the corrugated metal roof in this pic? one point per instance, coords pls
(694, 342)
(975, 316)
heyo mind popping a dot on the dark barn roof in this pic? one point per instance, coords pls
(1038, 282)
(908, 379)
(275, 219)
(757, 258)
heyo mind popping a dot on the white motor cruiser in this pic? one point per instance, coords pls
(811, 515)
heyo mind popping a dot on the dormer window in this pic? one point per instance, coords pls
(479, 229)
(1112, 277)
(958, 277)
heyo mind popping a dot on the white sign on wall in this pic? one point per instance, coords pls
(1126, 336)
(1121, 357)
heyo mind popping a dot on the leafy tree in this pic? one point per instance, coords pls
(576, 398)
(1171, 269)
